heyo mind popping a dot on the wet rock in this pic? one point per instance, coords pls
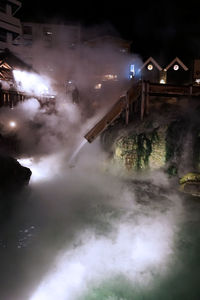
(13, 176)
(13, 179)
(190, 184)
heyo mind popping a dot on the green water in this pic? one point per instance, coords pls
(100, 211)
(182, 281)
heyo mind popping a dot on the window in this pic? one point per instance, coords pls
(150, 67)
(47, 31)
(176, 67)
(47, 34)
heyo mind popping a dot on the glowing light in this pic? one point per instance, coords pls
(41, 169)
(176, 67)
(98, 86)
(132, 71)
(150, 67)
(162, 81)
(109, 77)
(31, 83)
(197, 81)
(12, 124)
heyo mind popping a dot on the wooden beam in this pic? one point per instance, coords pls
(142, 108)
(147, 97)
(127, 109)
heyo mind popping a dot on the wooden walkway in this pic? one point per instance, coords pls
(139, 95)
(10, 98)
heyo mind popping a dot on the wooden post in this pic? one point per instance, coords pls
(127, 109)
(147, 97)
(142, 101)
(190, 90)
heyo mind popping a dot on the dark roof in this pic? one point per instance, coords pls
(13, 61)
(8, 62)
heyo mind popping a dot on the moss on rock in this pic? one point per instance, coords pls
(192, 177)
(141, 151)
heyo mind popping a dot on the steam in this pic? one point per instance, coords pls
(91, 223)
(135, 250)
(32, 83)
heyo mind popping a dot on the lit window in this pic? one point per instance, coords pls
(150, 67)
(176, 67)
(162, 81)
(197, 81)
(97, 86)
(109, 77)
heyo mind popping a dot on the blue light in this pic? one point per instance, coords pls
(132, 71)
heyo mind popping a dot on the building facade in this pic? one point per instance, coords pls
(10, 26)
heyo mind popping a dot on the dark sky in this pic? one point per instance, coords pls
(154, 27)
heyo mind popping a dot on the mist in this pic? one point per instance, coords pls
(84, 229)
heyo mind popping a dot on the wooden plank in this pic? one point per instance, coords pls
(122, 104)
(127, 110)
(142, 108)
(147, 97)
(108, 119)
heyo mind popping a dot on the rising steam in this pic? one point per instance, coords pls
(89, 225)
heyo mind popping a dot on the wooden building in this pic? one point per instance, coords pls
(150, 70)
(177, 72)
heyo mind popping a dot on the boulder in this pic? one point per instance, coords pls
(190, 184)
(13, 176)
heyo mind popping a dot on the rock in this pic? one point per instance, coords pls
(190, 177)
(13, 176)
(13, 179)
(190, 184)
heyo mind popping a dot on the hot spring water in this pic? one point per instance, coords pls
(89, 235)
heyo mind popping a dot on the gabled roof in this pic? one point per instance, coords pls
(176, 59)
(152, 60)
(8, 62)
(12, 60)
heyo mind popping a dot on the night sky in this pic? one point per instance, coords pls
(164, 28)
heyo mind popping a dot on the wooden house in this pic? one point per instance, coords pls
(8, 62)
(177, 72)
(150, 70)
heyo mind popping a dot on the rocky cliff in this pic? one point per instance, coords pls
(168, 139)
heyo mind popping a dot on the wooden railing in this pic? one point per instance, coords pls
(140, 93)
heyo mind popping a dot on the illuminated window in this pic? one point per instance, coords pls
(176, 67)
(197, 81)
(150, 67)
(109, 77)
(162, 81)
(98, 86)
